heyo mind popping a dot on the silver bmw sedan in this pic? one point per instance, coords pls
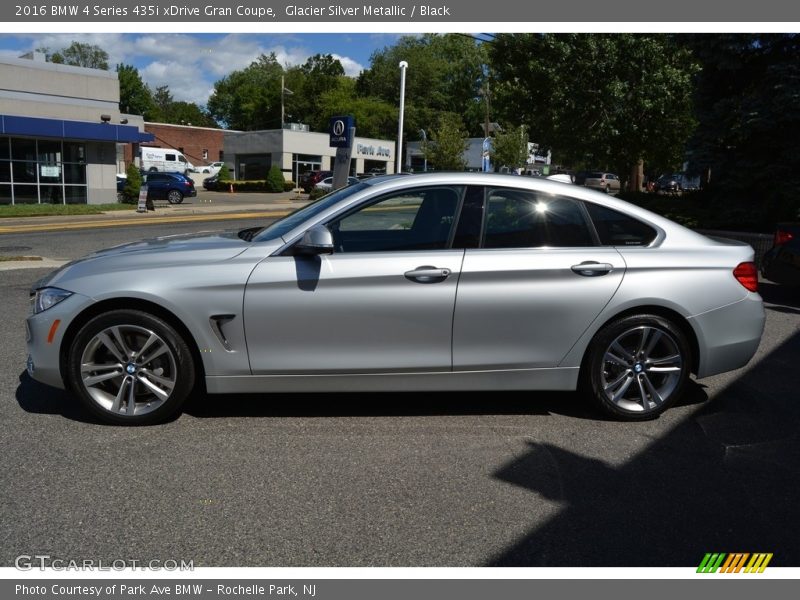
(452, 281)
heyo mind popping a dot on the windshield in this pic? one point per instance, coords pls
(283, 226)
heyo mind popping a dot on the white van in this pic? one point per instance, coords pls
(163, 159)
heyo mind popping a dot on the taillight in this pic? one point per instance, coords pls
(747, 275)
(781, 237)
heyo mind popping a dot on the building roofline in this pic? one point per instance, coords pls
(146, 123)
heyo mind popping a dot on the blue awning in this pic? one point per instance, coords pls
(72, 130)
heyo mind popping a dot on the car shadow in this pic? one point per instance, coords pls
(38, 398)
(723, 480)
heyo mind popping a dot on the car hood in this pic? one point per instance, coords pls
(195, 249)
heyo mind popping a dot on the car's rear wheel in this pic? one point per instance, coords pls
(637, 367)
(129, 367)
(174, 197)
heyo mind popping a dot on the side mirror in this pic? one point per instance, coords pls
(317, 240)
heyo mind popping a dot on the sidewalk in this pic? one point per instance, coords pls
(207, 206)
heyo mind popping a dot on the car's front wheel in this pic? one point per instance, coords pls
(174, 197)
(129, 367)
(637, 367)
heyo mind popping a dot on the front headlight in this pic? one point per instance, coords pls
(48, 297)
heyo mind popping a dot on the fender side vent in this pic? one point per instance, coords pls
(217, 322)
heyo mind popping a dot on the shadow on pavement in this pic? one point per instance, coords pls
(727, 479)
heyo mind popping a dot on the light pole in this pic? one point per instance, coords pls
(284, 90)
(424, 153)
(403, 66)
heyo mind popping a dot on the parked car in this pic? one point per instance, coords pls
(173, 187)
(213, 168)
(671, 183)
(311, 178)
(605, 182)
(326, 185)
(211, 183)
(451, 281)
(781, 263)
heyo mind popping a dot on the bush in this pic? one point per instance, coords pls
(316, 193)
(288, 186)
(275, 179)
(224, 173)
(130, 193)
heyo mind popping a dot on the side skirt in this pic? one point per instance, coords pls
(557, 379)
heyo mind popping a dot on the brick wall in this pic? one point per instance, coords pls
(190, 140)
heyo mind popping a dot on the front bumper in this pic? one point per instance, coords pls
(45, 334)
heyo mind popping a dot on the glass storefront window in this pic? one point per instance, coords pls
(74, 152)
(74, 173)
(24, 172)
(22, 149)
(5, 194)
(51, 194)
(37, 174)
(49, 151)
(75, 194)
(26, 194)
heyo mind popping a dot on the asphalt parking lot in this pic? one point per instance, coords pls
(503, 479)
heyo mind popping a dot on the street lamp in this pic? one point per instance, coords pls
(403, 66)
(424, 153)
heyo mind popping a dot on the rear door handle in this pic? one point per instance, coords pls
(591, 268)
(427, 274)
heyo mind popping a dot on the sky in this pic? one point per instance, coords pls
(190, 63)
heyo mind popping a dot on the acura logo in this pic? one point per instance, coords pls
(338, 128)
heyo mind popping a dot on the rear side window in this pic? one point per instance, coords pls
(617, 229)
(170, 157)
(526, 219)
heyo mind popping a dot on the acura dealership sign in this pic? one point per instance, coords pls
(339, 131)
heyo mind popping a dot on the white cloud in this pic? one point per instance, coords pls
(188, 64)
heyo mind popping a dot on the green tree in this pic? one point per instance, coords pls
(132, 184)
(445, 149)
(78, 54)
(275, 179)
(598, 100)
(445, 74)
(747, 106)
(510, 147)
(134, 96)
(374, 117)
(306, 84)
(224, 173)
(249, 99)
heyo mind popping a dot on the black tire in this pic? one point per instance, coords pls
(152, 170)
(174, 197)
(155, 387)
(631, 380)
(608, 189)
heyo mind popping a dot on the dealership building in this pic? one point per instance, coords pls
(61, 133)
(295, 150)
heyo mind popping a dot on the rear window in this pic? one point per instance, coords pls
(617, 229)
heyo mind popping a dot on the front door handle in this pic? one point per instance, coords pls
(591, 268)
(427, 274)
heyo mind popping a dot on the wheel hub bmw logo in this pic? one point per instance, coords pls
(638, 367)
(131, 369)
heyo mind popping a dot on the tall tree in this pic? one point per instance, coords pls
(249, 99)
(374, 117)
(598, 100)
(134, 96)
(78, 54)
(445, 74)
(510, 147)
(748, 110)
(445, 149)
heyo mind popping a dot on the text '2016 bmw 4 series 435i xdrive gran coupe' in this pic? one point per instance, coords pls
(432, 282)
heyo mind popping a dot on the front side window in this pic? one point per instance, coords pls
(418, 219)
(528, 219)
